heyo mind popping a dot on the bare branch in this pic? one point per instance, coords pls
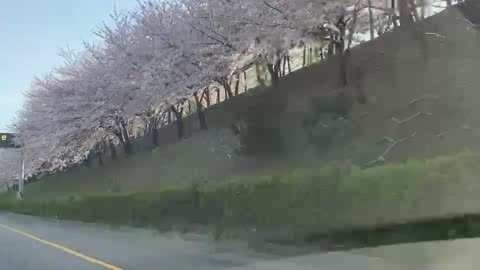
(435, 34)
(427, 96)
(382, 156)
(272, 7)
(410, 118)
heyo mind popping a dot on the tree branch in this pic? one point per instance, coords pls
(427, 96)
(382, 156)
(272, 7)
(211, 37)
(410, 118)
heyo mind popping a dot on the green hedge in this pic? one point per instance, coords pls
(303, 201)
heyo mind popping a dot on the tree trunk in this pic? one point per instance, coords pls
(279, 68)
(288, 63)
(370, 15)
(179, 108)
(345, 53)
(353, 25)
(123, 136)
(227, 88)
(99, 152)
(201, 113)
(311, 56)
(394, 16)
(449, 3)
(217, 90)
(100, 160)
(155, 136)
(203, 120)
(163, 118)
(273, 74)
(274, 69)
(258, 73)
(304, 56)
(413, 8)
(127, 144)
(169, 117)
(128, 147)
(206, 96)
(179, 120)
(423, 9)
(343, 68)
(341, 43)
(381, 29)
(331, 45)
(404, 11)
(395, 21)
(113, 150)
(245, 80)
(237, 84)
(88, 162)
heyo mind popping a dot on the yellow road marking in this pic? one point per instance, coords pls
(65, 249)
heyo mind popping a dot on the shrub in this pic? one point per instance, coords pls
(302, 200)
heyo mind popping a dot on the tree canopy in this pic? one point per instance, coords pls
(162, 53)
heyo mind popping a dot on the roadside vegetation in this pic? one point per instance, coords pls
(303, 204)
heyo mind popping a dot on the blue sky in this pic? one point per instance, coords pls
(31, 34)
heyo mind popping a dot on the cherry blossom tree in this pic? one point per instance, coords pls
(151, 61)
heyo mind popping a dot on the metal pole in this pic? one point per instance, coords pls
(21, 179)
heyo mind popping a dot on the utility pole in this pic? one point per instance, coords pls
(21, 182)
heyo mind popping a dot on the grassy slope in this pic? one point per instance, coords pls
(300, 201)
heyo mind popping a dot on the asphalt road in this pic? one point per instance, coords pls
(44, 244)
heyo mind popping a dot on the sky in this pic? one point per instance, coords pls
(31, 34)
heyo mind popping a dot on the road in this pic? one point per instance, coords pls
(44, 244)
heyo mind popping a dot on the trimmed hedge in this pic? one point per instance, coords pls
(302, 201)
